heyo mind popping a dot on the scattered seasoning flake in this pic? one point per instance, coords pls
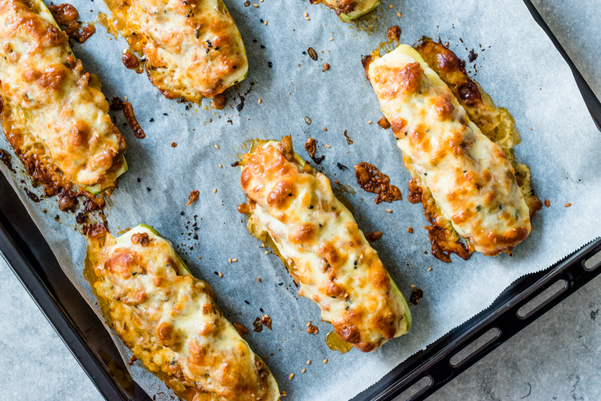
(306, 14)
(266, 252)
(216, 146)
(266, 321)
(430, 269)
(568, 204)
(259, 279)
(328, 146)
(399, 15)
(265, 21)
(291, 376)
(220, 166)
(331, 39)
(303, 371)
(192, 197)
(308, 323)
(262, 245)
(389, 210)
(234, 260)
(230, 260)
(256, 5)
(284, 393)
(260, 101)
(369, 122)
(308, 19)
(336, 182)
(220, 275)
(325, 128)
(174, 144)
(325, 361)
(547, 202)
(416, 295)
(309, 362)
(214, 190)
(391, 6)
(326, 67)
(312, 329)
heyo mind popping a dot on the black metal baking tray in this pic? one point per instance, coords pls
(32, 261)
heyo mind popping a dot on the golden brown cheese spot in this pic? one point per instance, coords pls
(122, 264)
(281, 194)
(245, 178)
(399, 127)
(383, 123)
(165, 334)
(80, 133)
(243, 208)
(140, 238)
(329, 252)
(410, 78)
(380, 280)
(444, 108)
(302, 234)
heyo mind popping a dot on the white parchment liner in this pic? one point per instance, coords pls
(517, 65)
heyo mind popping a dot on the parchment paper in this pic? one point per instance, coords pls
(517, 65)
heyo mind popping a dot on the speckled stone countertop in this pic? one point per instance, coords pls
(558, 357)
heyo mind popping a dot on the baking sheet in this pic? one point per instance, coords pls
(517, 65)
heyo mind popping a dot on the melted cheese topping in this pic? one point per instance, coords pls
(57, 123)
(350, 9)
(170, 320)
(191, 49)
(323, 246)
(468, 175)
(494, 122)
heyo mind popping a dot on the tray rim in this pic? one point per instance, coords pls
(21, 260)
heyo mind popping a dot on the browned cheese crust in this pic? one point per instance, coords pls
(465, 180)
(191, 49)
(494, 122)
(324, 249)
(170, 322)
(54, 118)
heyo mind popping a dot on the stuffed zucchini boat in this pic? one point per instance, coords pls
(465, 180)
(316, 236)
(349, 10)
(170, 321)
(191, 49)
(53, 113)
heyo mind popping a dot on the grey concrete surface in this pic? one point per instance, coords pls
(556, 358)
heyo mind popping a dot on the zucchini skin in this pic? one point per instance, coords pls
(170, 320)
(315, 235)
